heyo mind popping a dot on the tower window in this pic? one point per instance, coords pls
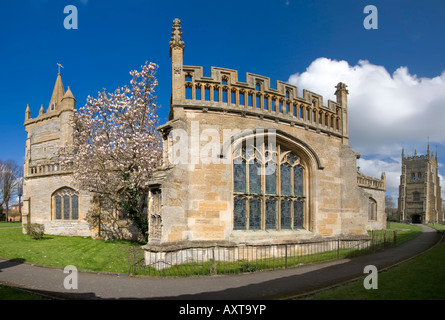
(66, 204)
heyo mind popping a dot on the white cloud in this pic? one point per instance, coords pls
(386, 111)
(391, 167)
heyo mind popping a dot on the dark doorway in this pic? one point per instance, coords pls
(416, 218)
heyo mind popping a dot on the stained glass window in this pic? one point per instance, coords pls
(298, 214)
(298, 181)
(271, 178)
(58, 207)
(66, 204)
(239, 213)
(239, 177)
(66, 207)
(286, 179)
(75, 207)
(271, 214)
(269, 188)
(254, 214)
(255, 177)
(286, 217)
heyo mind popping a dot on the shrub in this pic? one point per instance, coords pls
(248, 267)
(35, 230)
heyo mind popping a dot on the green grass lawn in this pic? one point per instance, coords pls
(84, 253)
(422, 278)
(10, 224)
(439, 227)
(107, 256)
(8, 293)
(404, 231)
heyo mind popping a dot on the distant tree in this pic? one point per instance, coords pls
(116, 146)
(20, 195)
(390, 208)
(10, 172)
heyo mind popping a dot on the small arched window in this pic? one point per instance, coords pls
(65, 204)
(416, 196)
(372, 214)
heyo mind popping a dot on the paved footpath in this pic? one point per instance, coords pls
(278, 284)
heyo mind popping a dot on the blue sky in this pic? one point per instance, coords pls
(286, 40)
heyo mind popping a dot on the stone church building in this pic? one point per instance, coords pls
(244, 162)
(420, 194)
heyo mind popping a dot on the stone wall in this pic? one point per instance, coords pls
(197, 197)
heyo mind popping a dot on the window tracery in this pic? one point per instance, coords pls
(66, 204)
(268, 188)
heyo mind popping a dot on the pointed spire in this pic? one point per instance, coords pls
(27, 112)
(69, 100)
(428, 149)
(57, 95)
(68, 94)
(41, 111)
(403, 153)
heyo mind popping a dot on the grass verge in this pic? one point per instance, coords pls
(8, 293)
(84, 253)
(107, 256)
(4, 224)
(419, 279)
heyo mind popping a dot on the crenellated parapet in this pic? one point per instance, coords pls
(371, 182)
(223, 92)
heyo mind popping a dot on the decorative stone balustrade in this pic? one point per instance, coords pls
(370, 182)
(49, 168)
(223, 92)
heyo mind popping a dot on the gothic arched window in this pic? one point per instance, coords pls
(268, 188)
(65, 204)
(372, 214)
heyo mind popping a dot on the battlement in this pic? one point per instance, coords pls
(370, 182)
(419, 157)
(223, 92)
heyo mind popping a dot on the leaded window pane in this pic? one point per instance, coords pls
(271, 214)
(254, 214)
(271, 179)
(286, 214)
(239, 213)
(66, 207)
(58, 207)
(239, 177)
(75, 207)
(292, 158)
(286, 180)
(255, 177)
(298, 181)
(275, 201)
(298, 214)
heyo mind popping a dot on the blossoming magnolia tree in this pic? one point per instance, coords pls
(116, 146)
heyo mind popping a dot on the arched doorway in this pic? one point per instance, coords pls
(416, 218)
